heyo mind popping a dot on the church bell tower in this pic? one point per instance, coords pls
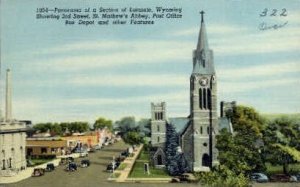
(203, 104)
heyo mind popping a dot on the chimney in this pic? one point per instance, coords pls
(8, 116)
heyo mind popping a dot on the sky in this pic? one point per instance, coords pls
(70, 73)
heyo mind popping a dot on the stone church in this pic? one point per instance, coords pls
(197, 132)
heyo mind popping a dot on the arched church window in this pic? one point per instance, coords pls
(204, 98)
(158, 128)
(158, 139)
(209, 98)
(200, 98)
(162, 115)
(201, 130)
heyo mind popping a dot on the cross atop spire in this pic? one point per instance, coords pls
(202, 16)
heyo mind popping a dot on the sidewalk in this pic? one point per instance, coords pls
(25, 173)
(129, 164)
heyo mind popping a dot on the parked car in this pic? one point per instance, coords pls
(259, 177)
(85, 163)
(37, 172)
(50, 167)
(280, 178)
(98, 147)
(120, 159)
(124, 153)
(186, 177)
(111, 167)
(71, 167)
(293, 178)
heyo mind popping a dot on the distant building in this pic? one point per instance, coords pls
(197, 132)
(12, 138)
(45, 147)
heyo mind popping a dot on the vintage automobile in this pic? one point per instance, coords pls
(72, 166)
(50, 167)
(281, 178)
(259, 177)
(85, 163)
(37, 172)
(185, 177)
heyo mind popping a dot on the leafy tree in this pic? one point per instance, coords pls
(144, 127)
(126, 124)
(43, 127)
(282, 139)
(102, 122)
(175, 161)
(240, 151)
(133, 138)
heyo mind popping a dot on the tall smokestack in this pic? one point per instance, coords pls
(8, 116)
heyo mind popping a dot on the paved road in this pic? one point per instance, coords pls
(95, 175)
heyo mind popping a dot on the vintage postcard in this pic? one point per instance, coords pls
(99, 92)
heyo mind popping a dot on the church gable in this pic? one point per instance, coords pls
(159, 157)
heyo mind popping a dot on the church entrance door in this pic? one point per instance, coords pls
(205, 160)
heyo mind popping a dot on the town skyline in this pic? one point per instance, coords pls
(65, 73)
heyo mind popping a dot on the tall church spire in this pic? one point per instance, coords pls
(202, 40)
(203, 56)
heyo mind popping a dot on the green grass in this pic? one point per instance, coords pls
(274, 169)
(138, 172)
(39, 161)
(122, 166)
(144, 156)
(138, 168)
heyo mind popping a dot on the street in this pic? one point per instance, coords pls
(95, 175)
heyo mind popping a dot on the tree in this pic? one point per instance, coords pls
(101, 123)
(133, 138)
(240, 151)
(282, 139)
(175, 161)
(126, 124)
(144, 127)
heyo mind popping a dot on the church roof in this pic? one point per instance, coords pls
(203, 56)
(179, 123)
(225, 123)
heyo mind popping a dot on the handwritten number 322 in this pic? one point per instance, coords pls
(273, 12)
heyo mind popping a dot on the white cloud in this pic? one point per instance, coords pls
(212, 29)
(131, 80)
(134, 52)
(245, 86)
(265, 70)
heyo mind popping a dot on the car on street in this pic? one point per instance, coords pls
(259, 177)
(85, 163)
(110, 167)
(281, 178)
(50, 167)
(72, 166)
(185, 177)
(98, 147)
(37, 172)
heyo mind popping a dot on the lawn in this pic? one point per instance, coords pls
(138, 168)
(138, 172)
(122, 166)
(279, 169)
(39, 161)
